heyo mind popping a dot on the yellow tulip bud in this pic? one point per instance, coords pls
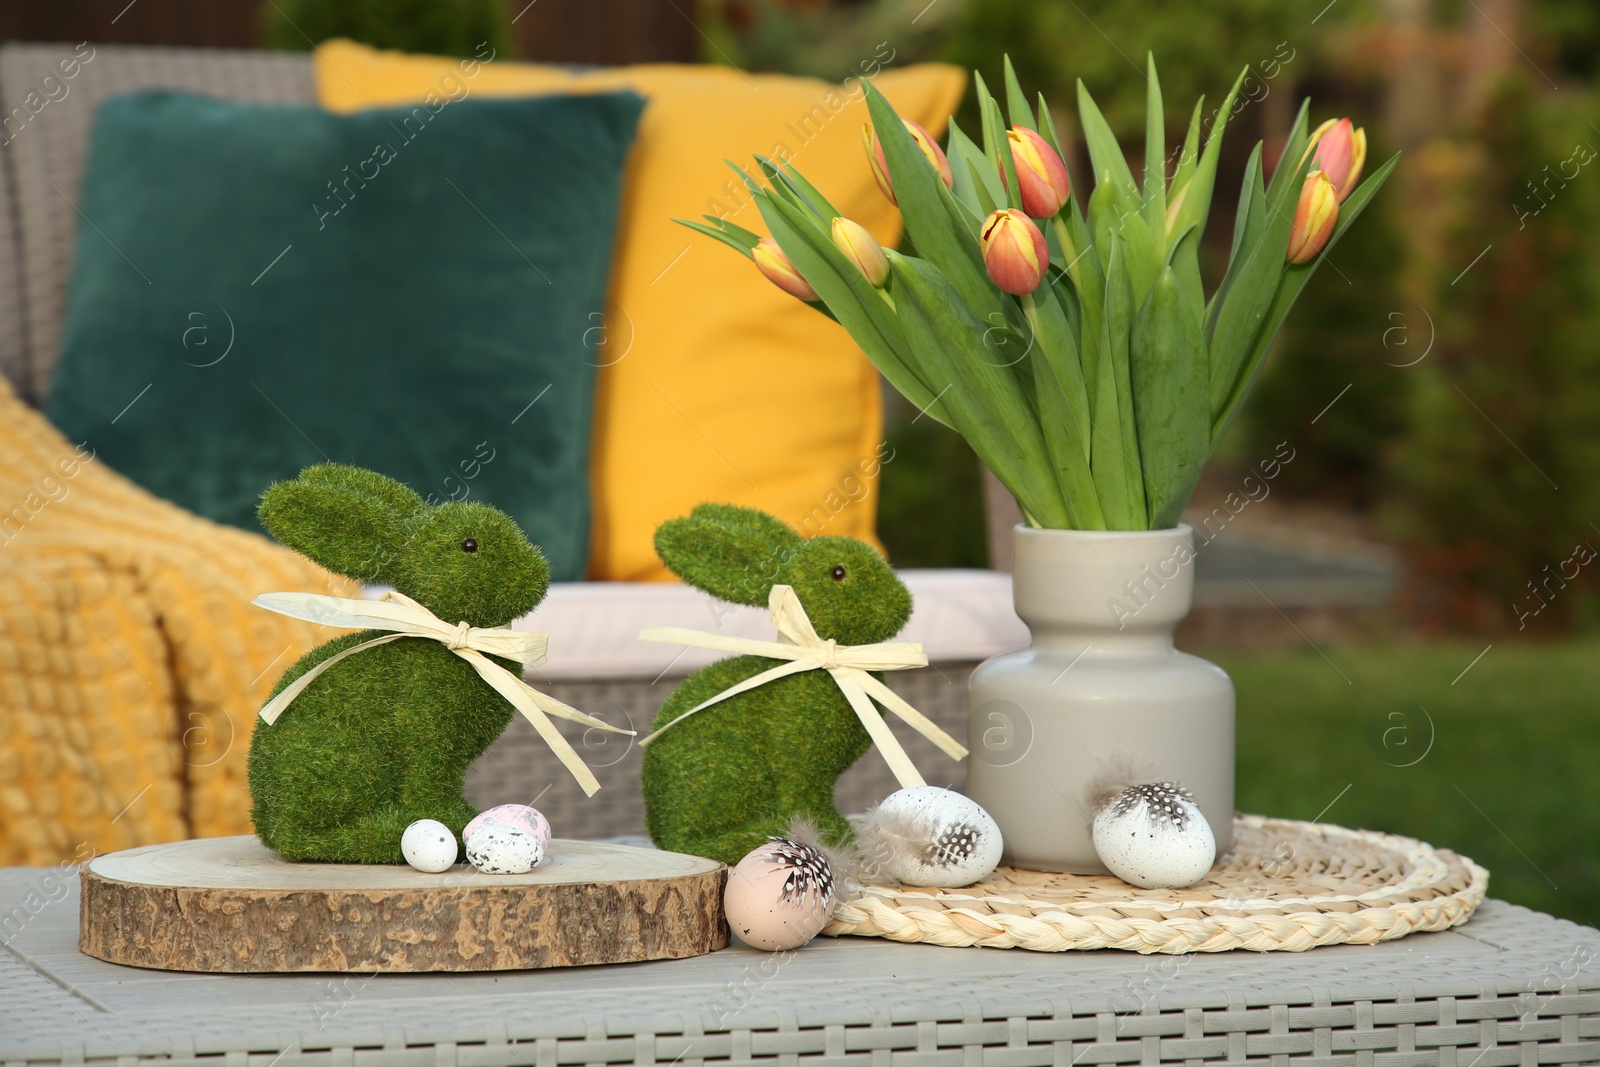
(770, 260)
(862, 249)
(1314, 218)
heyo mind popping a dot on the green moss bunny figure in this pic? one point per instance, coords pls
(385, 736)
(723, 780)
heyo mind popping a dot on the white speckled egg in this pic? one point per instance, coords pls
(780, 895)
(927, 836)
(429, 845)
(496, 848)
(521, 815)
(1153, 836)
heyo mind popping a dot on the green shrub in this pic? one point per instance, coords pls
(439, 27)
(1201, 49)
(930, 503)
(1496, 483)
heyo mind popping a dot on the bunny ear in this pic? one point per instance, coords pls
(397, 495)
(329, 516)
(753, 522)
(730, 552)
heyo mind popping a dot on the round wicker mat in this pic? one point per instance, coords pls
(1285, 886)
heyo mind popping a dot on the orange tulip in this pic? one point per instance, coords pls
(880, 165)
(1341, 152)
(862, 249)
(771, 261)
(1041, 176)
(1314, 218)
(1014, 251)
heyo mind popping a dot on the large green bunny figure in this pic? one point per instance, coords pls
(385, 736)
(720, 782)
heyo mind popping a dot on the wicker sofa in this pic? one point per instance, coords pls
(962, 616)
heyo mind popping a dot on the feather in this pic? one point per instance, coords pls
(845, 857)
(885, 835)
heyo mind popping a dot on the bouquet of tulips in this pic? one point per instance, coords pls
(1073, 347)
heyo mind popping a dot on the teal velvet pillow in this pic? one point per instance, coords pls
(259, 288)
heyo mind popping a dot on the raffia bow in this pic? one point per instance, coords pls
(799, 643)
(399, 613)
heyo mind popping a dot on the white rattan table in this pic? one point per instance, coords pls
(1512, 986)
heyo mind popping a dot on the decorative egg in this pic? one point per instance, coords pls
(1153, 836)
(429, 845)
(519, 815)
(780, 895)
(927, 836)
(496, 848)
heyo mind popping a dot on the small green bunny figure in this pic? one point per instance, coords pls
(722, 781)
(384, 737)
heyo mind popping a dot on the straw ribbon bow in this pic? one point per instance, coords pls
(799, 644)
(399, 613)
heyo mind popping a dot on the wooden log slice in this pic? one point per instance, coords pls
(231, 904)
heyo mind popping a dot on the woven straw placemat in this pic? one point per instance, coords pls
(1285, 886)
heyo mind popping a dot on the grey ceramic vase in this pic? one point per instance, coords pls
(1101, 698)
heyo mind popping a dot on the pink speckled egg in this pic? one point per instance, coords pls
(521, 816)
(780, 895)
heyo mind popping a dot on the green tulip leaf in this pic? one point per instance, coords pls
(1107, 462)
(987, 201)
(1047, 130)
(1171, 399)
(1250, 294)
(984, 400)
(1248, 225)
(1294, 147)
(1189, 156)
(1063, 408)
(1017, 100)
(1056, 345)
(1294, 280)
(734, 237)
(855, 304)
(1197, 188)
(996, 146)
(797, 181)
(920, 193)
(1119, 327)
(1155, 155)
(977, 185)
(1105, 154)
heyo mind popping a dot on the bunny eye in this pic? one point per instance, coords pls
(469, 545)
(838, 574)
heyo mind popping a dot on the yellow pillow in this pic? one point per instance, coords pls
(717, 385)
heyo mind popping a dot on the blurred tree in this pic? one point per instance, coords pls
(1198, 48)
(439, 27)
(1412, 102)
(1568, 32)
(821, 39)
(1496, 495)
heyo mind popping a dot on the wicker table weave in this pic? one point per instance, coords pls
(1511, 986)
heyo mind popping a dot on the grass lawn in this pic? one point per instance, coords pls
(1502, 765)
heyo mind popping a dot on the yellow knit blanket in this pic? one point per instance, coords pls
(131, 662)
